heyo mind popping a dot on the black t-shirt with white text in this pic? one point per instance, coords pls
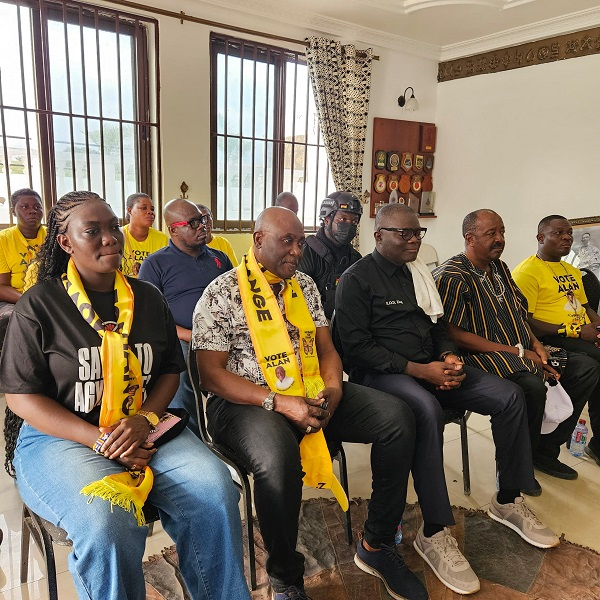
(50, 349)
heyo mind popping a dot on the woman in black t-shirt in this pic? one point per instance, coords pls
(85, 348)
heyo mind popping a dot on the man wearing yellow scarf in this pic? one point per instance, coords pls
(261, 316)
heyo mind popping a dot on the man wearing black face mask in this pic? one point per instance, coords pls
(329, 253)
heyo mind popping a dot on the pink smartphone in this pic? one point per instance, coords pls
(167, 421)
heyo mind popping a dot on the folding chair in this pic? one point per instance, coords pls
(44, 534)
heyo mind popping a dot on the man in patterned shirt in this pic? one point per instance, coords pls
(486, 316)
(265, 429)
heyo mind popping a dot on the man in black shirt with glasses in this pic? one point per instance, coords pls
(387, 310)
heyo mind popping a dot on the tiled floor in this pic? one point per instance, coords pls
(569, 507)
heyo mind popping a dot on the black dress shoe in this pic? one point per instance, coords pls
(553, 466)
(535, 491)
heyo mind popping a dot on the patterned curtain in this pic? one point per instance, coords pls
(341, 81)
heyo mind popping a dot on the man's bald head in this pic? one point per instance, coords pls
(276, 217)
(287, 200)
(179, 209)
(390, 241)
(189, 238)
(389, 211)
(279, 241)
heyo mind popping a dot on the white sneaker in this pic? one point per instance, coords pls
(519, 517)
(441, 553)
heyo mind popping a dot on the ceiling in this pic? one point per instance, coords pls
(438, 29)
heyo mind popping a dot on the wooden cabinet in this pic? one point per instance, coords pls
(410, 145)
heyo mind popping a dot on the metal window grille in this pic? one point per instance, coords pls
(78, 101)
(265, 135)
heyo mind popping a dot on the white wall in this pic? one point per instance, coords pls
(525, 143)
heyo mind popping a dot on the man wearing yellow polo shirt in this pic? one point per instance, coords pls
(558, 310)
(18, 247)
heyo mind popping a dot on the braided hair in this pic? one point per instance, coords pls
(51, 261)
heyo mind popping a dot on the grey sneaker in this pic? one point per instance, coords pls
(441, 553)
(519, 518)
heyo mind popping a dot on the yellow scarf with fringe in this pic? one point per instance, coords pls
(122, 395)
(274, 351)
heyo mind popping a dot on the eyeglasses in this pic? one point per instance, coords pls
(193, 223)
(407, 232)
(354, 219)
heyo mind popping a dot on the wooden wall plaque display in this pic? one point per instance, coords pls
(405, 139)
(428, 133)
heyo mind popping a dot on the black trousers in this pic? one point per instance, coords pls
(580, 379)
(268, 445)
(481, 393)
(585, 347)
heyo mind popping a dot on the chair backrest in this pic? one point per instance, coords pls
(591, 286)
(225, 453)
(194, 374)
(429, 256)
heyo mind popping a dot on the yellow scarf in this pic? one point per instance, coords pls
(122, 395)
(274, 350)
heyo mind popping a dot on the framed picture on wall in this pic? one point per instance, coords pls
(585, 252)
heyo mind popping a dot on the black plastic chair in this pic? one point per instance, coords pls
(591, 286)
(44, 534)
(228, 456)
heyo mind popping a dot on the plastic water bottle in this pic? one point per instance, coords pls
(579, 439)
(398, 536)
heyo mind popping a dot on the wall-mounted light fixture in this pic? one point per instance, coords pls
(408, 103)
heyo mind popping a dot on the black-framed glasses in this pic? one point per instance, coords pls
(193, 223)
(407, 232)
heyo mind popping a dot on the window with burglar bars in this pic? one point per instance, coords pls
(78, 102)
(265, 133)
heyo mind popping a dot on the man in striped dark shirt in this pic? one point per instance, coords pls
(486, 316)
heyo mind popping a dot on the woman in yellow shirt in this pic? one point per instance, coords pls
(141, 239)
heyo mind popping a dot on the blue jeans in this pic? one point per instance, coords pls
(184, 396)
(192, 490)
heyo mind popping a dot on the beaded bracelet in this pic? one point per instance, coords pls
(99, 442)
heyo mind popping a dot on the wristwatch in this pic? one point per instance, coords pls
(269, 402)
(151, 417)
(521, 350)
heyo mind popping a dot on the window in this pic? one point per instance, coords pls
(265, 135)
(76, 108)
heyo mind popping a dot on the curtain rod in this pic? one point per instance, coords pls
(184, 17)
